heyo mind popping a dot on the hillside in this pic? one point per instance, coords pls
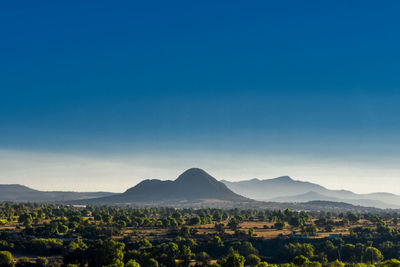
(286, 189)
(191, 186)
(20, 193)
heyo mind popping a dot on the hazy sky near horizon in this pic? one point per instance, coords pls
(97, 95)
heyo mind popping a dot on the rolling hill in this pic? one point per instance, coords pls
(20, 193)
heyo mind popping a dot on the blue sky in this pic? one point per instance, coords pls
(288, 78)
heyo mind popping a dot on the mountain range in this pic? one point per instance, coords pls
(286, 189)
(196, 188)
(194, 185)
(20, 193)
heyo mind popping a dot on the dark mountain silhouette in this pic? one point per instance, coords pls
(20, 193)
(285, 189)
(192, 185)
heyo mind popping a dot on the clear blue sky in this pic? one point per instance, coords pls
(294, 77)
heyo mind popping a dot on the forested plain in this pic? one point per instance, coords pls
(64, 235)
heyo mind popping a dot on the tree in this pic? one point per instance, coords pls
(348, 253)
(76, 253)
(185, 231)
(6, 258)
(220, 228)
(311, 229)
(152, 263)
(300, 260)
(391, 263)
(132, 263)
(185, 254)
(352, 217)
(216, 242)
(47, 246)
(203, 257)
(252, 260)
(107, 253)
(234, 224)
(295, 221)
(279, 225)
(42, 261)
(373, 255)
(251, 232)
(25, 218)
(246, 248)
(195, 220)
(293, 250)
(336, 263)
(233, 260)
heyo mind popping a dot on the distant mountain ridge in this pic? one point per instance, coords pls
(21, 193)
(286, 189)
(192, 185)
(196, 188)
(271, 188)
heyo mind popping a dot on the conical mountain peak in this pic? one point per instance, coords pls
(192, 185)
(194, 175)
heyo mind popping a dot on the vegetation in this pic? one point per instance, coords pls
(61, 235)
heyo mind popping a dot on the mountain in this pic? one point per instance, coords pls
(194, 185)
(271, 188)
(196, 188)
(20, 193)
(285, 189)
(313, 196)
(306, 197)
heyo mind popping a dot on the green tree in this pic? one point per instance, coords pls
(234, 224)
(251, 232)
(279, 225)
(42, 261)
(132, 263)
(185, 231)
(203, 257)
(216, 242)
(391, 263)
(297, 249)
(185, 254)
(152, 263)
(107, 253)
(195, 220)
(252, 260)
(220, 228)
(311, 229)
(233, 260)
(6, 258)
(336, 263)
(76, 253)
(373, 255)
(301, 260)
